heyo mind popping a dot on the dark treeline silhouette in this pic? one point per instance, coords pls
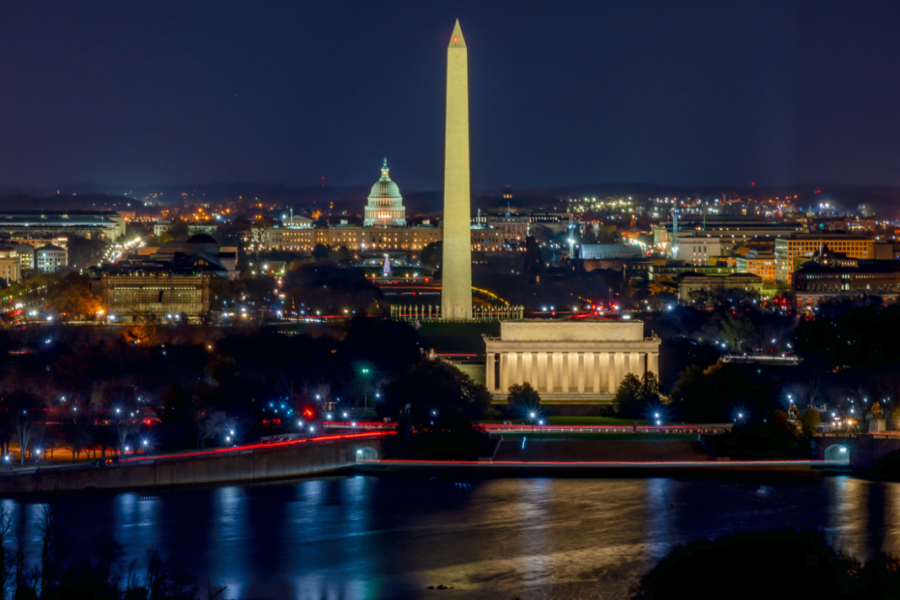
(96, 569)
(787, 563)
(435, 404)
(187, 386)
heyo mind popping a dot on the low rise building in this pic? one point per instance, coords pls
(378, 239)
(689, 283)
(105, 225)
(154, 293)
(788, 249)
(758, 263)
(208, 229)
(27, 256)
(673, 269)
(51, 258)
(10, 266)
(727, 229)
(200, 250)
(825, 279)
(161, 226)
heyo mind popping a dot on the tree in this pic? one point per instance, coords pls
(73, 298)
(523, 397)
(84, 252)
(178, 230)
(23, 405)
(343, 254)
(608, 234)
(628, 400)
(534, 262)
(212, 424)
(434, 386)
(714, 394)
(321, 252)
(176, 415)
(649, 389)
(734, 329)
(432, 254)
(127, 422)
(816, 570)
(77, 430)
(809, 420)
(541, 233)
(46, 525)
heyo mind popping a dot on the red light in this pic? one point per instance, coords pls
(324, 438)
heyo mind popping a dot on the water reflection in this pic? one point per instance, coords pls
(365, 537)
(848, 515)
(228, 555)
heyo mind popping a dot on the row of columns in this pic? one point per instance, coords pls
(568, 372)
(432, 312)
(416, 312)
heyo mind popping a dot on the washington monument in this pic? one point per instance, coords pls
(456, 287)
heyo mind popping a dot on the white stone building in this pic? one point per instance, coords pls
(385, 206)
(51, 258)
(568, 361)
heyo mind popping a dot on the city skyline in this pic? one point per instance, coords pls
(702, 95)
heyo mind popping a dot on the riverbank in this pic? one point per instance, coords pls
(489, 469)
(530, 456)
(244, 464)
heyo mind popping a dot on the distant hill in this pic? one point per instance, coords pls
(61, 202)
(335, 200)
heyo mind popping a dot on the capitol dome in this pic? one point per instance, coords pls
(385, 206)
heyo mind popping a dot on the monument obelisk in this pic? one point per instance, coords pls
(456, 287)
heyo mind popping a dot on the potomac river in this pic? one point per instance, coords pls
(357, 536)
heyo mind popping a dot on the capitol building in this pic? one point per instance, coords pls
(385, 229)
(385, 205)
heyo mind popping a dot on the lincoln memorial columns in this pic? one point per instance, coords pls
(489, 372)
(569, 362)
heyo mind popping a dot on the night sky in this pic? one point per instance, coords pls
(685, 93)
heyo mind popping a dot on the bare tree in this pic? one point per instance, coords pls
(214, 591)
(46, 525)
(212, 424)
(6, 562)
(24, 432)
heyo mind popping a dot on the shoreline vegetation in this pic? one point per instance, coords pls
(787, 563)
(74, 568)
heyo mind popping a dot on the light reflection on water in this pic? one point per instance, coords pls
(360, 537)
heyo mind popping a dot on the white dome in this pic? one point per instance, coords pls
(385, 206)
(385, 188)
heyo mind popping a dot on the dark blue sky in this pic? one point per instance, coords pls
(688, 93)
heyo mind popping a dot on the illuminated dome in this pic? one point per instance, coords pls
(385, 205)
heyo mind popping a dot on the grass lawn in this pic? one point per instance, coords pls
(451, 337)
(619, 437)
(593, 421)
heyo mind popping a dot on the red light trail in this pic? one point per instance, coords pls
(324, 438)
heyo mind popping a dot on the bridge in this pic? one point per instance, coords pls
(873, 453)
(241, 464)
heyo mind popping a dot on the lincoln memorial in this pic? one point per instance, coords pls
(568, 361)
